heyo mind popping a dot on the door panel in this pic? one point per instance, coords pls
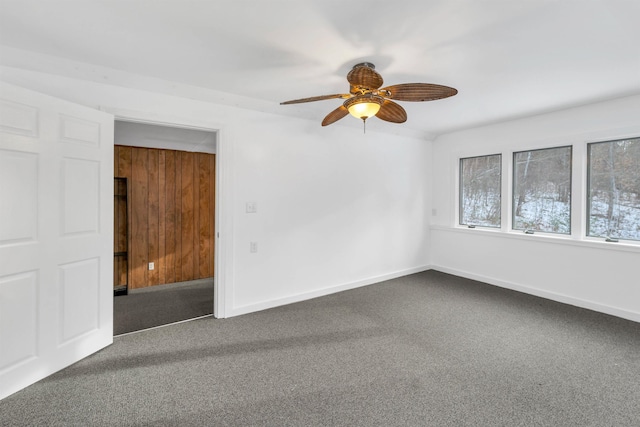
(56, 235)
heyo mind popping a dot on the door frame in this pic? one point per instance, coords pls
(223, 212)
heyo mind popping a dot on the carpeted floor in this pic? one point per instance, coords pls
(428, 349)
(160, 305)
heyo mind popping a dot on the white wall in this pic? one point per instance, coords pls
(336, 208)
(577, 270)
(165, 137)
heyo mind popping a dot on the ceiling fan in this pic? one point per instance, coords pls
(366, 99)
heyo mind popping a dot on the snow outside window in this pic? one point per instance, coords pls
(542, 190)
(613, 206)
(480, 190)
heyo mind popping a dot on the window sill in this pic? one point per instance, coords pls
(585, 242)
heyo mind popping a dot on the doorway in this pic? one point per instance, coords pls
(170, 197)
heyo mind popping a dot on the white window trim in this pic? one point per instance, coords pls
(457, 201)
(512, 182)
(579, 212)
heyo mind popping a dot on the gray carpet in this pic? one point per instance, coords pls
(160, 305)
(428, 349)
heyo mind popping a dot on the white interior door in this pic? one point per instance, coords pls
(56, 235)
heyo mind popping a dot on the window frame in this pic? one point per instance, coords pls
(579, 187)
(587, 190)
(461, 192)
(513, 186)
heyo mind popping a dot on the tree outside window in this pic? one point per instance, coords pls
(480, 190)
(614, 189)
(542, 190)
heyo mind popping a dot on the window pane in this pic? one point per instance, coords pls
(542, 190)
(614, 189)
(480, 190)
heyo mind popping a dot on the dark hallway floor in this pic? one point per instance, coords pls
(160, 305)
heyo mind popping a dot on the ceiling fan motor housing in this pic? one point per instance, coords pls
(363, 78)
(365, 64)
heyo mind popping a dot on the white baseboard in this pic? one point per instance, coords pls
(565, 299)
(236, 311)
(602, 308)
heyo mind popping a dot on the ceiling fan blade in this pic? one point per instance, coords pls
(316, 98)
(392, 112)
(417, 92)
(365, 76)
(335, 115)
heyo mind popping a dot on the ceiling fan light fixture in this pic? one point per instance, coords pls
(364, 106)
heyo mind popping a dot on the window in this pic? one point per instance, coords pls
(480, 190)
(542, 190)
(613, 207)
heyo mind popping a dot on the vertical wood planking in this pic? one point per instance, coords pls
(162, 214)
(187, 215)
(153, 216)
(170, 217)
(139, 245)
(115, 192)
(204, 222)
(171, 214)
(178, 198)
(195, 244)
(116, 157)
(124, 162)
(212, 214)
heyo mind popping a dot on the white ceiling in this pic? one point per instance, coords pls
(507, 58)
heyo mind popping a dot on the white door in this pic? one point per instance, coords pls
(56, 235)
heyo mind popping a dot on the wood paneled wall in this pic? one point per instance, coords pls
(171, 213)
